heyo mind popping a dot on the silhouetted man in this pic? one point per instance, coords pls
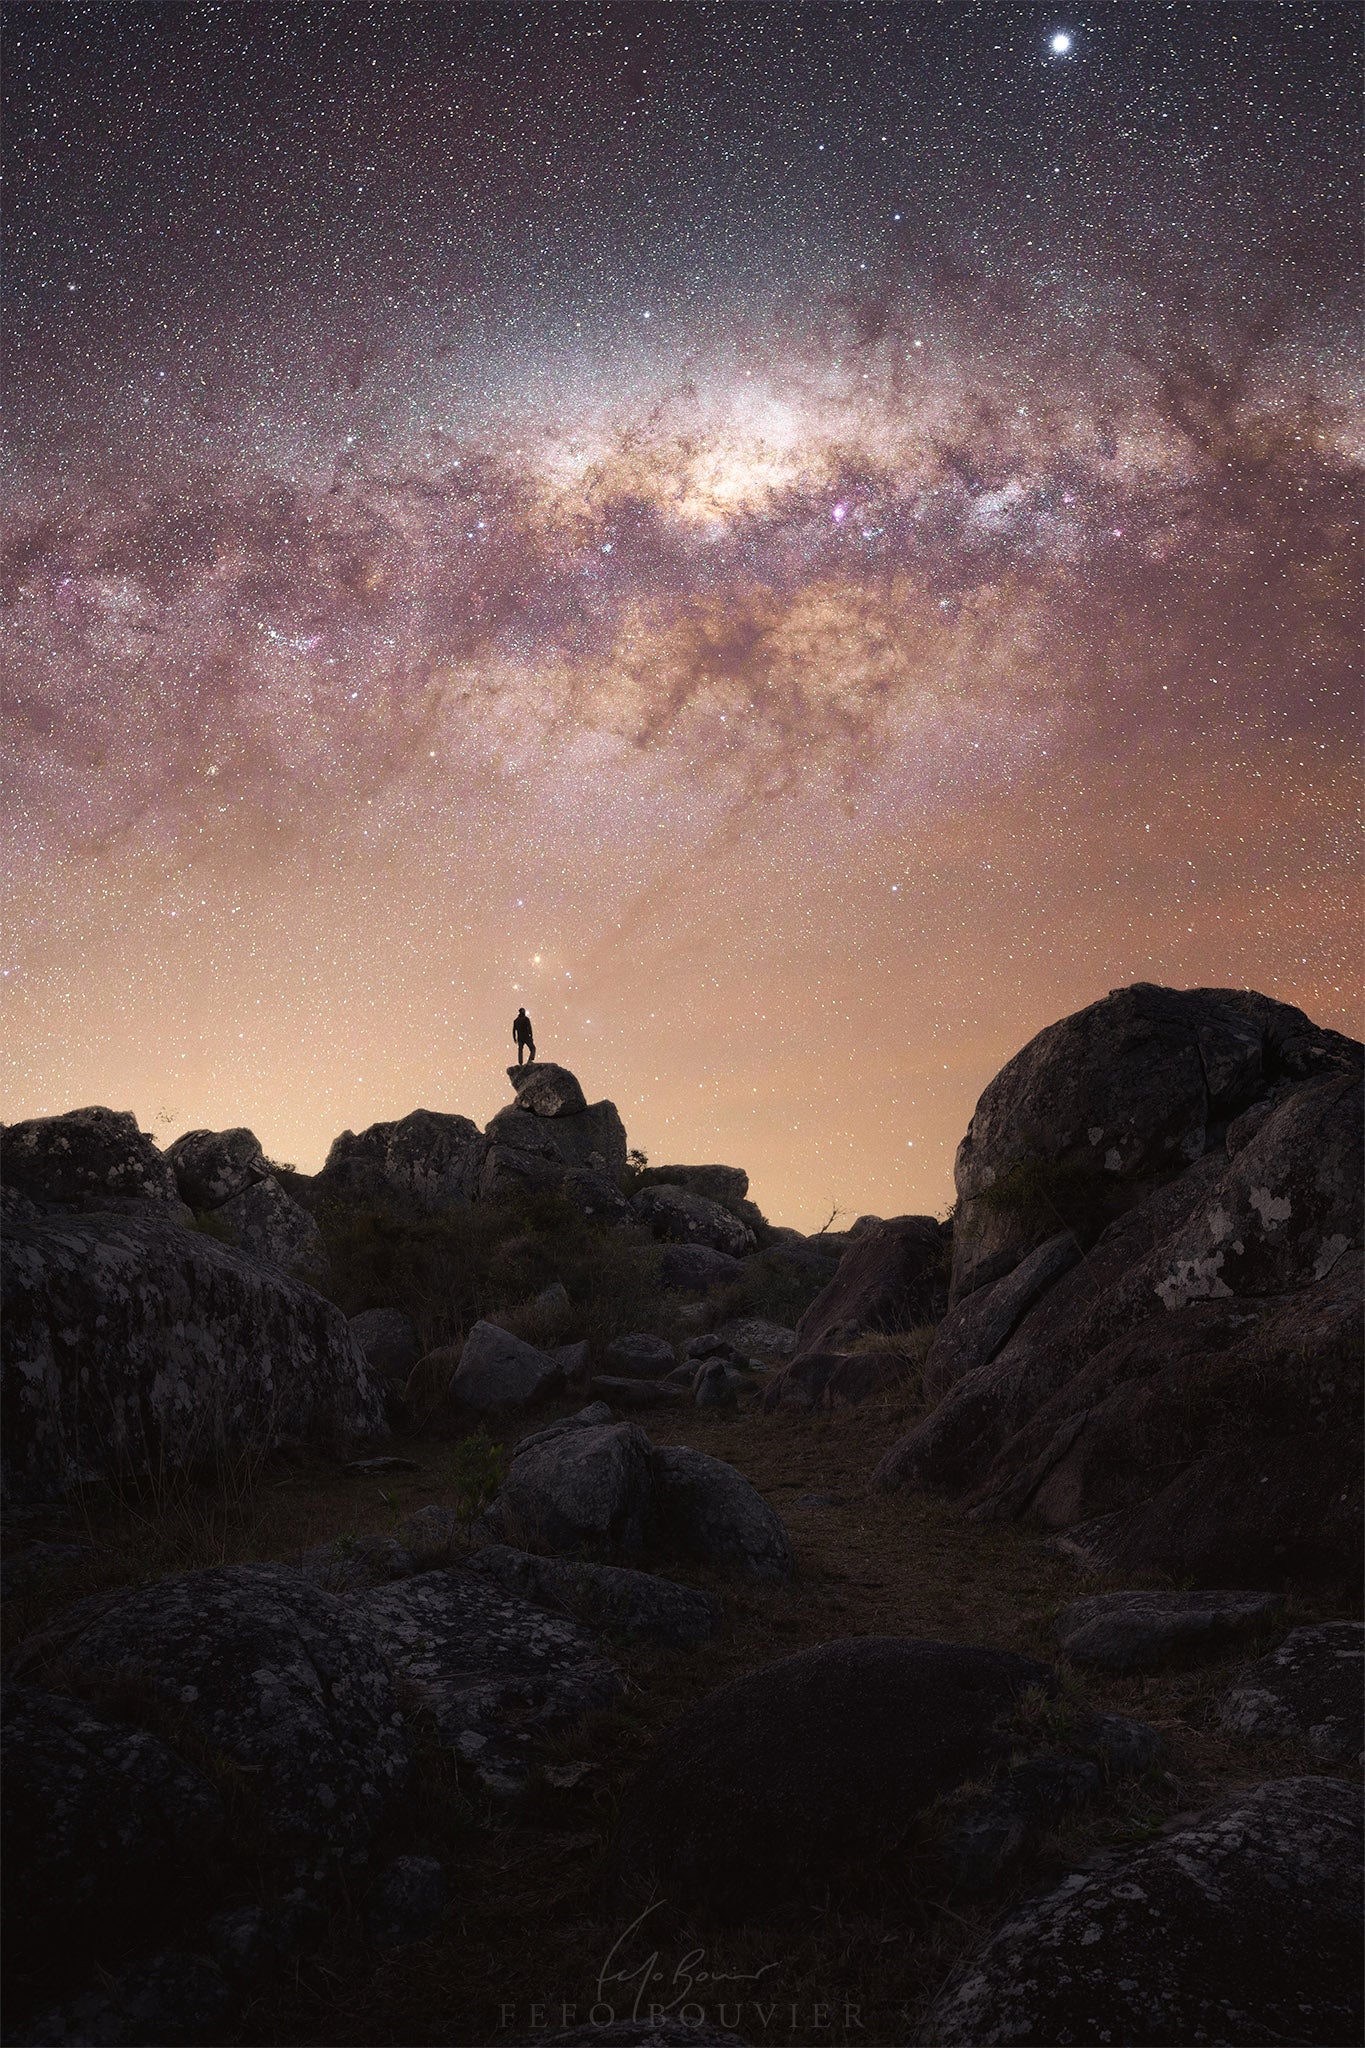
(521, 1032)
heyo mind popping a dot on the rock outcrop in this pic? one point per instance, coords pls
(612, 1598)
(90, 1159)
(681, 1216)
(892, 1277)
(1180, 1398)
(1242, 1926)
(1138, 1631)
(547, 1090)
(130, 1345)
(425, 1161)
(212, 1166)
(1309, 1689)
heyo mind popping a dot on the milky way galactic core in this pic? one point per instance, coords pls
(801, 544)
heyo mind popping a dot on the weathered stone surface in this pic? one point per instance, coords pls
(1097, 1108)
(129, 1345)
(543, 1089)
(494, 1672)
(837, 1379)
(772, 1788)
(273, 1227)
(972, 1333)
(586, 1486)
(426, 1160)
(682, 1217)
(754, 1337)
(406, 1902)
(892, 1277)
(284, 1680)
(1138, 1631)
(607, 1598)
(543, 1149)
(1310, 1689)
(211, 1166)
(1242, 1926)
(715, 1183)
(709, 1511)
(101, 1818)
(647, 1357)
(86, 1157)
(718, 1384)
(389, 1341)
(349, 1564)
(696, 1268)
(998, 1827)
(595, 1195)
(499, 1374)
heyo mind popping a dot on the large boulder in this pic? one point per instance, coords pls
(526, 1149)
(427, 1160)
(130, 1345)
(708, 1511)
(498, 1374)
(972, 1333)
(544, 1089)
(1102, 1106)
(1309, 1689)
(211, 1166)
(774, 1787)
(493, 1672)
(723, 1184)
(605, 1597)
(891, 1277)
(696, 1268)
(102, 1818)
(389, 1341)
(88, 1159)
(280, 1680)
(677, 1214)
(582, 1487)
(1138, 1631)
(1242, 1926)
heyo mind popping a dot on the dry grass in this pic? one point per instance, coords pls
(528, 1928)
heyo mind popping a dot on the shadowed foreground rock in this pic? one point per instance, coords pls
(87, 1159)
(771, 1787)
(130, 1345)
(1138, 1631)
(893, 1277)
(1310, 1689)
(603, 1596)
(1243, 1926)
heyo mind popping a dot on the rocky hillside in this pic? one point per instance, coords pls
(418, 1571)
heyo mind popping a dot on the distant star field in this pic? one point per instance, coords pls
(801, 543)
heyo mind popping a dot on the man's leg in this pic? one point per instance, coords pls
(531, 1045)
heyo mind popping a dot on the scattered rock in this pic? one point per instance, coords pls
(606, 1598)
(498, 1373)
(1139, 1631)
(686, 1218)
(493, 1672)
(1309, 1690)
(389, 1341)
(893, 1277)
(589, 1485)
(1241, 1926)
(425, 1161)
(573, 1360)
(696, 1268)
(712, 1345)
(407, 1902)
(282, 1679)
(972, 1333)
(784, 1781)
(644, 1356)
(131, 1345)
(544, 1089)
(709, 1511)
(87, 1158)
(212, 1166)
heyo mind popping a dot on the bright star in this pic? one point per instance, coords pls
(1060, 44)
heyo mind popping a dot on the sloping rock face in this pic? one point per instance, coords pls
(1310, 1689)
(282, 1679)
(88, 1159)
(389, 1341)
(1138, 1631)
(892, 1276)
(683, 1217)
(771, 1787)
(426, 1160)
(128, 1344)
(709, 1511)
(498, 1373)
(212, 1166)
(972, 1333)
(1106, 1104)
(1242, 1927)
(273, 1227)
(1181, 1399)
(605, 1596)
(524, 1148)
(547, 1090)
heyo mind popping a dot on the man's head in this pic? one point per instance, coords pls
(521, 1013)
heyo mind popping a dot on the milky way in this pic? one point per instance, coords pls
(800, 544)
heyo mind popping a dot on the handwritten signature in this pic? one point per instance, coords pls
(654, 1984)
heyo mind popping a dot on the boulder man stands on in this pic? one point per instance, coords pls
(523, 1035)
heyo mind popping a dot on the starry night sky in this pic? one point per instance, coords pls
(801, 543)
